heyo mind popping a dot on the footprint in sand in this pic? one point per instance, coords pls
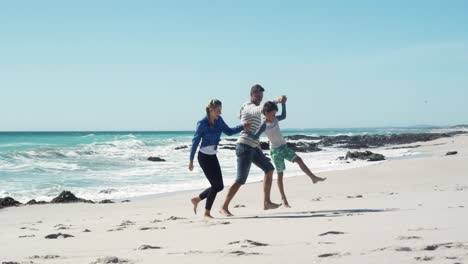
(408, 237)
(423, 229)
(243, 253)
(332, 233)
(108, 260)
(239, 206)
(426, 258)
(146, 247)
(175, 218)
(152, 228)
(214, 223)
(353, 197)
(27, 236)
(196, 252)
(248, 243)
(125, 224)
(59, 235)
(404, 249)
(45, 257)
(327, 255)
(63, 227)
(29, 228)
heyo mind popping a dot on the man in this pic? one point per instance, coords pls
(248, 151)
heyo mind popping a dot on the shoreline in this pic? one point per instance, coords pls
(296, 173)
(291, 175)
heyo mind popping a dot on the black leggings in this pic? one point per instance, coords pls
(212, 170)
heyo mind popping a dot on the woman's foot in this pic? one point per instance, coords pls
(286, 204)
(195, 202)
(208, 217)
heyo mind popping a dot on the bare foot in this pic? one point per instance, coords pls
(286, 204)
(208, 217)
(195, 202)
(270, 205)
(316, 179)
(225, 212)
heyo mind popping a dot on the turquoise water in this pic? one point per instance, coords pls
(38, 165)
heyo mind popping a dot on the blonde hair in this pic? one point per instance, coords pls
(212, 104)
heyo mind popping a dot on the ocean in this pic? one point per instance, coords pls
(114, 165)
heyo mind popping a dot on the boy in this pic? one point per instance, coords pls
(279, 150)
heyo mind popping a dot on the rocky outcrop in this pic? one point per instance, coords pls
(366, 155)
(33, 202)
(8, 202)
(156, 159)
(373, 141)
(181, 147)
(68, 197)
(304, 147)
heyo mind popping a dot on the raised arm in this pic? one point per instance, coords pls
(257, 110)
(283, 113)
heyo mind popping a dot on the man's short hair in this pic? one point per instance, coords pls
(256, 88)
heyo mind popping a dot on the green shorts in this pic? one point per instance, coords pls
(278, 155)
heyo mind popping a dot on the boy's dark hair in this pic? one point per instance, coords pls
(269, 106)
(256, 88)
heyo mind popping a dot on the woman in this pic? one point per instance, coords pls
(209, 131)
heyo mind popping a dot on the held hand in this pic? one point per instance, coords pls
(190, 166)
(246, 126)
(284, 98)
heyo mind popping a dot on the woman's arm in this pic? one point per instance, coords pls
(196, 139)
(228, 130)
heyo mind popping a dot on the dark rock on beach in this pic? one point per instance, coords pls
(451, 153)
(366, 155)
(228, 146)
(156, 159)
(303, 137)
(107, 201)
(373, 141)
(68, 197)
(304, 147)
(8, 202)
(33, 202)
(181, 147)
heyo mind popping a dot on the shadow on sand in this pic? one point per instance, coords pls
(313, 214)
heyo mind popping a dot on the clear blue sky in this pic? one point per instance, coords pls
(152, 65)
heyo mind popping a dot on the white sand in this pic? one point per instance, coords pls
(406, 205)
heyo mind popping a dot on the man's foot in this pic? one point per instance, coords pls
(195, 202)
(316, 179)
(286, 204)
(270, 205)
(225, 212)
